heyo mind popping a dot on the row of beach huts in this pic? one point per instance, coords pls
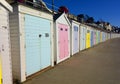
(32, 40)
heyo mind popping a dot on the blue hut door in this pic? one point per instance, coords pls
(37, 38)
(99, 36)
(76, 46)
(92, 38)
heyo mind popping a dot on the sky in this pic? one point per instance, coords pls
(107, 10)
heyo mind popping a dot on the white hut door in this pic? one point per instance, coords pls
(75, 39)
(84, 38)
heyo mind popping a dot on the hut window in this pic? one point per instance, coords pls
(75, 28)
(46, 35)
(61, 29)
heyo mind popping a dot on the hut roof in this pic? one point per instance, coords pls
(6, 5)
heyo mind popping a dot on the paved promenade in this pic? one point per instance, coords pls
(97, 65)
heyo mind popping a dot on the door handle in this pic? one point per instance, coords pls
(40, 35)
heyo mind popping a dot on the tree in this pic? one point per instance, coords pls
(90, 20)
(80, 18)
(98, 22)
(63, 9)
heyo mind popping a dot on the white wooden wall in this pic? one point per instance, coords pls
(5, 46)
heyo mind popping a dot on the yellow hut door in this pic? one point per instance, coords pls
(0, 70)
(88, 39)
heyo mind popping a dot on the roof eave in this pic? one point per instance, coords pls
(6, 5)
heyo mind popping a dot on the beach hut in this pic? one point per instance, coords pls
(5, 54)
(100, 36)
(62, 37)
(109, 35)
(74, 37)
(103, 36)
(97, 37)
(92, 37)
(31, 31)
(106, 35)
(82, 36)
(88, 38)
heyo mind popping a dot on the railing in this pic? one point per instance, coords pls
(36, 4)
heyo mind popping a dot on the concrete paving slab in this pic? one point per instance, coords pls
(97, 65)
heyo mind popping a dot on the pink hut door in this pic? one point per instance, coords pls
(63, 41)
(66, 40)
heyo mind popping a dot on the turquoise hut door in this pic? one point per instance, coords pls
(37, 38)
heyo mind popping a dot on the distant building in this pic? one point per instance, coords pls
(108, 26)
